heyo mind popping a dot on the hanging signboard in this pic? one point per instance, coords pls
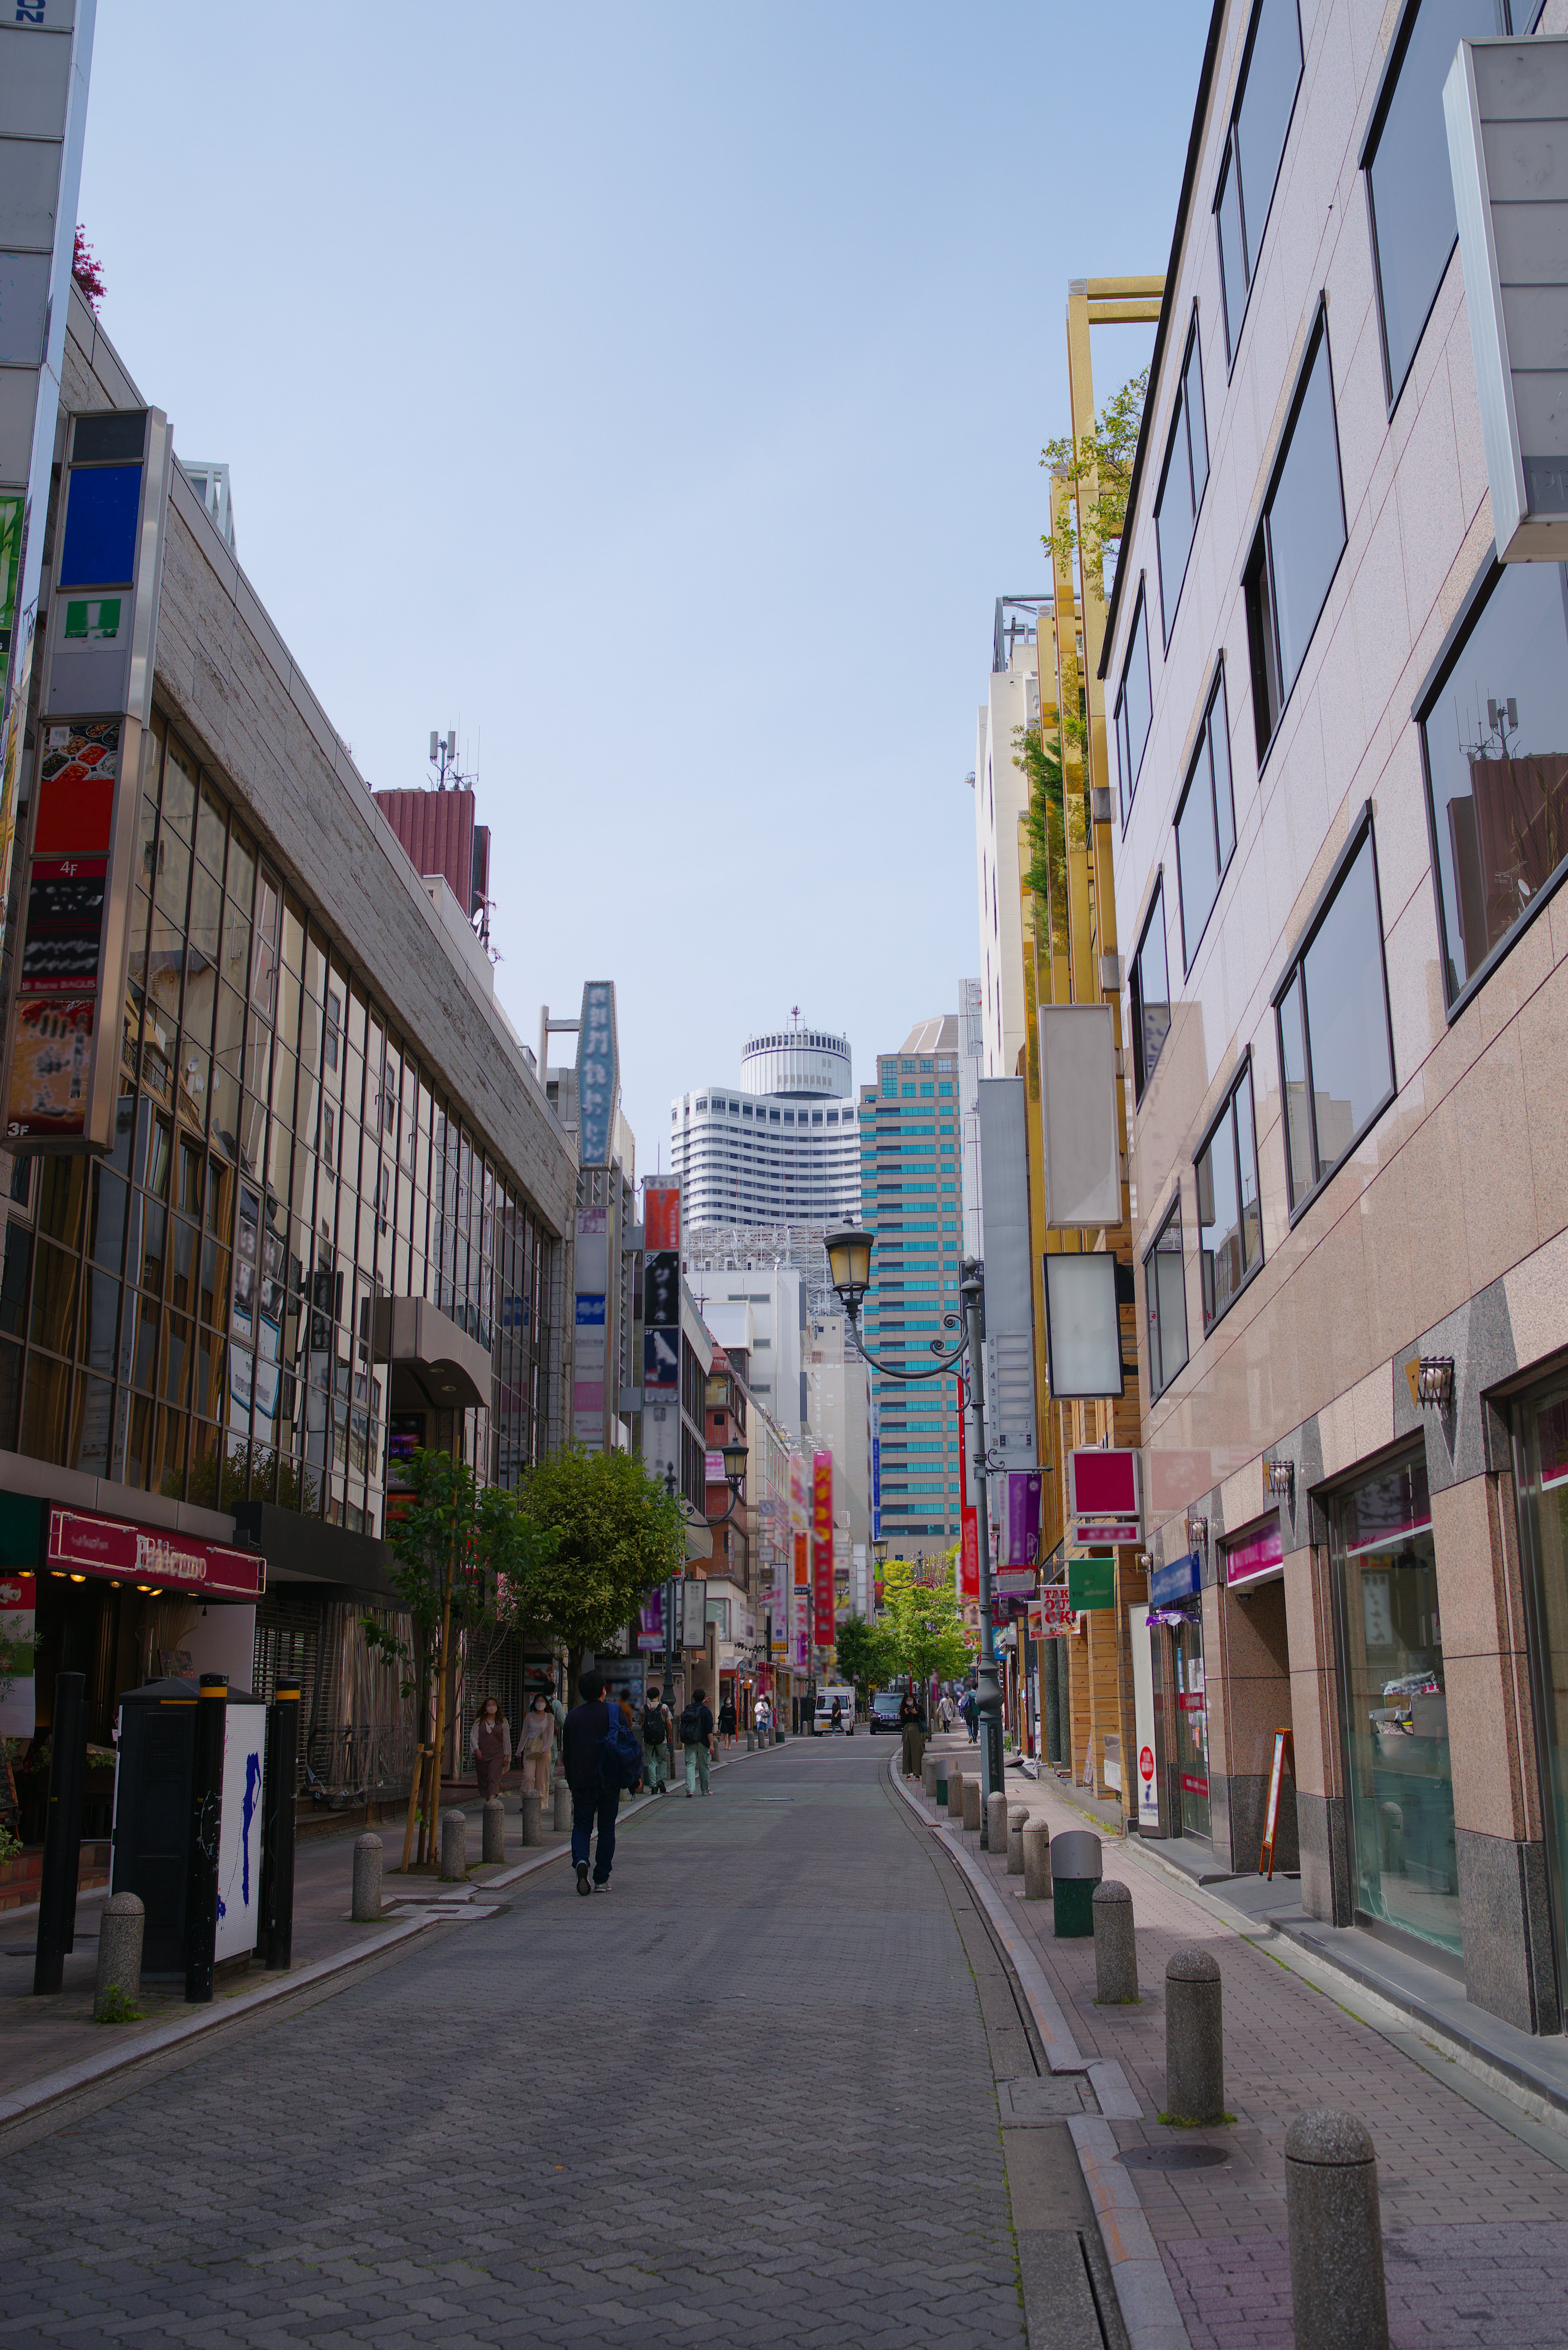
(692, 1592)
(1058, 1617)
(1091, 1584)
(1021, 1539)
(661, 1213)
(1104, 1496)
(822, 1547)
(598, 1074)
(651, 1622)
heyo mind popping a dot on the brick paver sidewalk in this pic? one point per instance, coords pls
(1474, 2219)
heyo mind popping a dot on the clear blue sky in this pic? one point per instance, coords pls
(655, 392)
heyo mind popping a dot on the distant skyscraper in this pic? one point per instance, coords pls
(910, 1167)
(779, 1148)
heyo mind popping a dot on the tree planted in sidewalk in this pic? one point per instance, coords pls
(866, 1653)
(925, 1631)
(616, 1534)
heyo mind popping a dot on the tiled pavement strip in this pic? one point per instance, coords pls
(697, 2110)
(1476, 2241)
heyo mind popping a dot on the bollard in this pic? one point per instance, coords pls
(534, 1816)
(929, 1774)
(1035, 1837)
(1336, 2234)
(941, 1783)
(955, 1795)
(118, 1953)
(493, 1830)
(561, 1819)
(453, 1847)
(1075, 1867)
(1116, 1946)
(996, 1824)
(751, 1741)
(1194, 2039)
(368, 1858)
(1017, 1817)
(971, 1802)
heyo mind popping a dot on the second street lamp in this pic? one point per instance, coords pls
(849, 1263)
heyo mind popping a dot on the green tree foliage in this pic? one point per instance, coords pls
(864, 1654)
(1097, 468)
(1041, 764)
(925, 1632)
(616, 1532)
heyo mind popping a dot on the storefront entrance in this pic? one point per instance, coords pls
(1399, 1776)
(1191, 1727)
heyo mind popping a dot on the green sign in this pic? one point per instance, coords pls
(1091, 1583)
(94, 620)
(10, 566)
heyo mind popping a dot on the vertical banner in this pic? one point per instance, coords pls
(800, 1606)
(19, 1601)
(822, 1547)
(651, 1622)
(588, 1393)
(661, 1213)
(969, 1537)
(1022, 1544)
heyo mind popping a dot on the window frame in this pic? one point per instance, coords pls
(1142, 1077)
(1182, 421)
(1150, 1256)
(1140, 628)
(1218, 692)
(1229, 163)
(1478, 596)
(1362, 832)
(1227, 1111)
(1259, 558)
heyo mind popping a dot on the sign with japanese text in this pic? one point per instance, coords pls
(598, 1074)
(822, 1545)
(661, 1213)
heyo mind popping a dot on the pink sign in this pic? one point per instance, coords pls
(1258, 1555)
(152, 1554)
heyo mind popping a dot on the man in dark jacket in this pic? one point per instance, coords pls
(912, 1724)
(697, 1736)
(592, 1802)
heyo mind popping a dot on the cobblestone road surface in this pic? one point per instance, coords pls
(696, 2110)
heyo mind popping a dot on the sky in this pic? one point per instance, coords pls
(654, 394)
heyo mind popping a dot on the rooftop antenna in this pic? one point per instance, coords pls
(794, 1013)
(444, 759)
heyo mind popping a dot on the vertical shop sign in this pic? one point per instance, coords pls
(1143, 1718)
(968, 1526)
(822, 1546)
(96, 699)
(588, 1376)
(598, 1074)
(661, 1213)
(1022, 1543)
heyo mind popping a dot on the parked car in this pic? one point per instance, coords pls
(884, 1710)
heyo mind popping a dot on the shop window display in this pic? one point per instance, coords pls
(1400, 1774)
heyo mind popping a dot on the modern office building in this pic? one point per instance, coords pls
(781, 1147)
(757, 1304)
(910, 1171)
(1341, 714)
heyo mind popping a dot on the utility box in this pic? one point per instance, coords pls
(152, 1808)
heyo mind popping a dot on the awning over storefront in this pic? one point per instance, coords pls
(153, 1558)
(429, 1352)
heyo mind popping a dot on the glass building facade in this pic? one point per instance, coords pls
(194, 1316)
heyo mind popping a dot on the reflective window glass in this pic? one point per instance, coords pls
(1134, 707)
(1151, 994)
(1205, 824)
(1230, 1231)
(1181, 485)
(1165, 1300)
(1269, 77)
(1335, 1053)
(1299, 541)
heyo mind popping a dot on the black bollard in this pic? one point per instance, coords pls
(62, 1833)
(277, 1828)
(206, 1826)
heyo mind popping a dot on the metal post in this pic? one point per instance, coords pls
(62, 1833)
(988, 1688)
(206, 1825)
(277, 1828)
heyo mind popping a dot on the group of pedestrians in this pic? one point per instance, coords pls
(964, 1708)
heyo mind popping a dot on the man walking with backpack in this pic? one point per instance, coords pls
(589, 1738)
(697, 1736)
(657, 1731)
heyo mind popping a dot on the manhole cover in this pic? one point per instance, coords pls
(1173, 2157)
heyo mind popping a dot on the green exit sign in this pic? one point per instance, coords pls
(1091, 1583)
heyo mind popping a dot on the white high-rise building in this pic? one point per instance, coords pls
(780, 1148)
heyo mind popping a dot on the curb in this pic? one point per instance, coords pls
(1144, 2295)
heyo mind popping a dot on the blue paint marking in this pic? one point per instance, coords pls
(253, 1789)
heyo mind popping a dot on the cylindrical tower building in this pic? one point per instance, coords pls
(798, 1065)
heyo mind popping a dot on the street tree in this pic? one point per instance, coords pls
(866, 1654)
(927, 1633)
(616, 1534)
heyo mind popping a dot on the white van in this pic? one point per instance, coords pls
(824, 1697)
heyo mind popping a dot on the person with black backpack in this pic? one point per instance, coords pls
(657, 1731)
(697, 1736)
(591, 1737)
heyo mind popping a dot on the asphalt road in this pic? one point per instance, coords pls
(746, 2096)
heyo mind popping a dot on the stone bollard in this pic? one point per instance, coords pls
(493, 1830)
(751, 1741)
(1037, 1841)
(453, 1847)
(1336, 2234)
(119, 1951)
(972, 1803)
(1116, 1946)
(1017, 1817)
(561, 1818)
(929, 1774)
(996, 1824)
(955, 1795)
(367, 1858)
(534, 1816)
(1076, 1869)
(941, 1785)
(1194, 2038)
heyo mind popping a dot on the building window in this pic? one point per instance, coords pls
(1230, 1221)
(1336, 1050)
(1494, 730)
(1299, 541)
(1133, 706)
(1259, 123)
(1205, 823)
(1181, 484)
(1165, 1300)
(1409, 188)
(1151, 994)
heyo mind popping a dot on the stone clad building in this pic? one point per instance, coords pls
(1342, 736)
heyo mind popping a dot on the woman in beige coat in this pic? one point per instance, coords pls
(539, 1732)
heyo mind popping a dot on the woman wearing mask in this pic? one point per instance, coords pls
(539, 1734)
(490, 1745)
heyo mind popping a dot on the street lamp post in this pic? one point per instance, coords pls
(849, 1259)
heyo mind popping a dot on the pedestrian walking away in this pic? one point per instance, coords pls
(697, 1736)
(628, 1716)
(945, 1710)
(727, 1721)
(536, 1739)
(657, 1731)
(912, 1726)
(594, 1805)
(970, 1709)
(490, 1745)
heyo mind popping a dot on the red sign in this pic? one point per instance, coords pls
(1146, 1762)
(660, 1216)
(1103, 1483)
(1261, 1555)
(1056, 1614)
(822, 1546)
(152, 1554)
(1193, 1785)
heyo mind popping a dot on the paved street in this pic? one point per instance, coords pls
(700, 2109)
